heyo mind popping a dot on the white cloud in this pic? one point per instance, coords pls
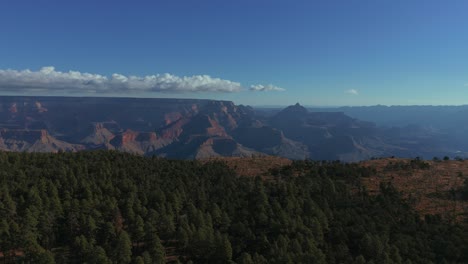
(352, 91)
(47, 79)
(266, 88)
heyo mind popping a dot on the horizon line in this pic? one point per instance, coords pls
(225, 100)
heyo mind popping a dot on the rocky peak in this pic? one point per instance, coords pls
(98, 134)
(13, 109)
(293, 111)
(39, 108)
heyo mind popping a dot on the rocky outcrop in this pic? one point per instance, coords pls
(99, 135)
(34, 141)
(138, 142)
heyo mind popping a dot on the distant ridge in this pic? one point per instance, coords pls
(201, 128)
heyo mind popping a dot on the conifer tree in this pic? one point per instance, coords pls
(123, 249)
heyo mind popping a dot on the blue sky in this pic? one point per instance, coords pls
(320, 52)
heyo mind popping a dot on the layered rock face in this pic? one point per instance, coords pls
(184, 128)
(176, 128)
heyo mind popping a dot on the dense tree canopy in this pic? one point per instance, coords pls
(110, 207)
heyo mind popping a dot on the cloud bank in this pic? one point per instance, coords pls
(352, 91)
(266, 88)
(47, 79)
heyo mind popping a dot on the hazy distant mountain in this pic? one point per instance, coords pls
(435, 129)
(426, 115)
(331, 135)
(186, 128)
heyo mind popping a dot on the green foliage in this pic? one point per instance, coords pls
(110, 207)
(123, 249)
